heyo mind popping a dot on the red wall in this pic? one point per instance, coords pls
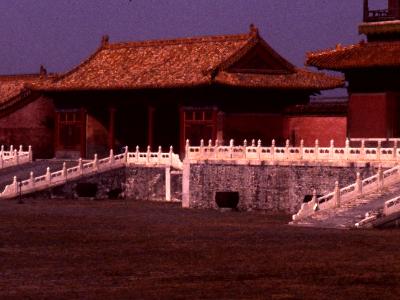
(310, 128)
(369, 116)
(33, 124)
(253, 126)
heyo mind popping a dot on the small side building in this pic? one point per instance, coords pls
(26, 116)
(164, 92)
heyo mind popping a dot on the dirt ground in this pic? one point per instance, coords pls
(87, 249)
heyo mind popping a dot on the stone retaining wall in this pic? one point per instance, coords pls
(264, 187)
(132, 182)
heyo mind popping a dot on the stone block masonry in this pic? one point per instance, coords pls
(130, 182)
(263, 186)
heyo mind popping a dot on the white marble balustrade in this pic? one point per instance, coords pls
(350, 193)
(148, 158)
(13, 157)
(258, 153)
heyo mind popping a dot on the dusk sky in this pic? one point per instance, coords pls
(61, 33)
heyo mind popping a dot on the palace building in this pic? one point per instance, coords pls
(164, 92)
(372, 70)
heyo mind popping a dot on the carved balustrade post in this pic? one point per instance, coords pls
(111, 160)
(332, 149)
(159, 155)
(30, 156)
(216, 146)
(187, 145)
(48, 176)
(2, 151)
(301, 149)
(363, 150)
(359, 184)
(20, 150)
(148, 154)
(95, 162)
(168, 183)
(31, 180)
(171, 155)
(11, 149)
(316, 149)
(337, 194)
(231, 145)
(245, 149)
(16, 157)
(273, 149)
(259, 150)
(347, 149)
(378, 151)
(395, 150)
(15, 185)
(126, 154)
(201, 150)
(287, 154)
(137, 154)
(65, 171)
(80, 166)
(380, 178)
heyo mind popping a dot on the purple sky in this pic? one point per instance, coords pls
(61, 33)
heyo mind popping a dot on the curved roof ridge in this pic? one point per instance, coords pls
(175, 41)
(361, 55)
(254, 39)
(338, 48)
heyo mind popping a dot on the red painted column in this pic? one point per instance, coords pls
(182, 135)
(111, 128)
(56, 132)
(83, 131)
(150, 125)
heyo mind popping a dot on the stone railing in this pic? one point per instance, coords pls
(13, 157)
(155, 158)
(256, 153)
(51, 179)
(349, 193)
(391, 206)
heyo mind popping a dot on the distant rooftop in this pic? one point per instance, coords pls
(389, 13)
(381, 23)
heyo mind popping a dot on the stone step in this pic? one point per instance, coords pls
(37, 167)
(351, 212)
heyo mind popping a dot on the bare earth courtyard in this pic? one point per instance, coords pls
(86, 249)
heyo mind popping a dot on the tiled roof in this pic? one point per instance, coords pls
(13, 87)
(180, 63)
(363, 55)
(299, 80)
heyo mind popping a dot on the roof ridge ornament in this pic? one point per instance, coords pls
(253, 30)
(42, 71)
(105, 40)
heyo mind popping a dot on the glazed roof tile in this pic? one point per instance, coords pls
(181, 63)
(299, 80)
(359, 56)
(13, 87)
